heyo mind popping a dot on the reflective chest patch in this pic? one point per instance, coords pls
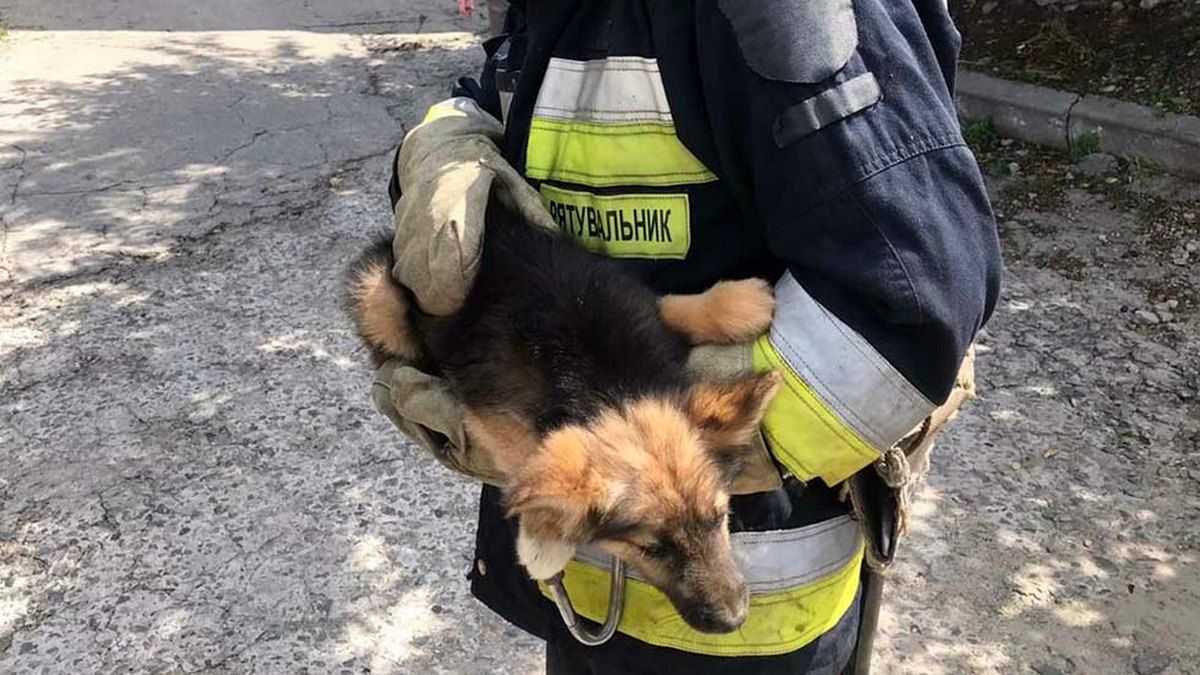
(606, 123)
(655, 226)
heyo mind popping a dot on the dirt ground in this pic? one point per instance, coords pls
(1147, 52)
(192, 479)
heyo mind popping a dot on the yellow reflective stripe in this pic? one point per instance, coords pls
(778, 623)
(803, 434)
(603, 155)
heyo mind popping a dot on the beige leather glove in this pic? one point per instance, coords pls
(448, 167)
(423, 409)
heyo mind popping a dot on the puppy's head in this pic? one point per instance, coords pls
(649, 482)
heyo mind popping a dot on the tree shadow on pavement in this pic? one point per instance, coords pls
(1057, 532)
(194, 478)
(348, 16)
(127, 151)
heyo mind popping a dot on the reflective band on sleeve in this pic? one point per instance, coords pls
(605, 123)
(801, 583)
(655, 226)
(842, 404)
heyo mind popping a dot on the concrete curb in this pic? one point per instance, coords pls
(1057, 118)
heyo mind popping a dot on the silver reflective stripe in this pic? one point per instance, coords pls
(616, 89)
(783, 559)
(777, 560)
(827, 107)
(853, 380)
(506, 98)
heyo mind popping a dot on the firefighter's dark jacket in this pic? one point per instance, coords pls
(812, 142)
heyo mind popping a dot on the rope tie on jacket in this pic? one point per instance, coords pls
(894, 469)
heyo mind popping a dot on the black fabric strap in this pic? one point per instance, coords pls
(831, 105)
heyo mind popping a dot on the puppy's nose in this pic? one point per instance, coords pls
(736, 609)
(724, 614)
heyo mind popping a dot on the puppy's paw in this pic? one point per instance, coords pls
(543, 558)
(740, 310)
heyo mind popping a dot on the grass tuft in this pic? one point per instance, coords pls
(1056, 51)
(1168, 102)
(1145, 167)
(981, 134)
(1084, 145)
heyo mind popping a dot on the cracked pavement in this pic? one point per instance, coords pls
(192, 478)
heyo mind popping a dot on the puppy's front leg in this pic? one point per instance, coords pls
(542, 558)
(729, 312)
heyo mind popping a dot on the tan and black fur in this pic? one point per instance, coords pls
(574, 376)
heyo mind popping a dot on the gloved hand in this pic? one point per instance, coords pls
(448, 167)
(423, 409)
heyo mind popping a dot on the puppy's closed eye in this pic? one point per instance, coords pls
(653, 550)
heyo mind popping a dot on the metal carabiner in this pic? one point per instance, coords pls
(616, 606)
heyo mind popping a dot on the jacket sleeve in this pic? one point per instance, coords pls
(835, 127)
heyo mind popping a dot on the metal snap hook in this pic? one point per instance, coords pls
(616, 606)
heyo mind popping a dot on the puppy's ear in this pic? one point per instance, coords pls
(552, 495)
(728, 413)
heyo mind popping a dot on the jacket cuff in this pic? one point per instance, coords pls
(842, 404)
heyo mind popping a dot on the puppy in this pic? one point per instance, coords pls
(574, 376)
